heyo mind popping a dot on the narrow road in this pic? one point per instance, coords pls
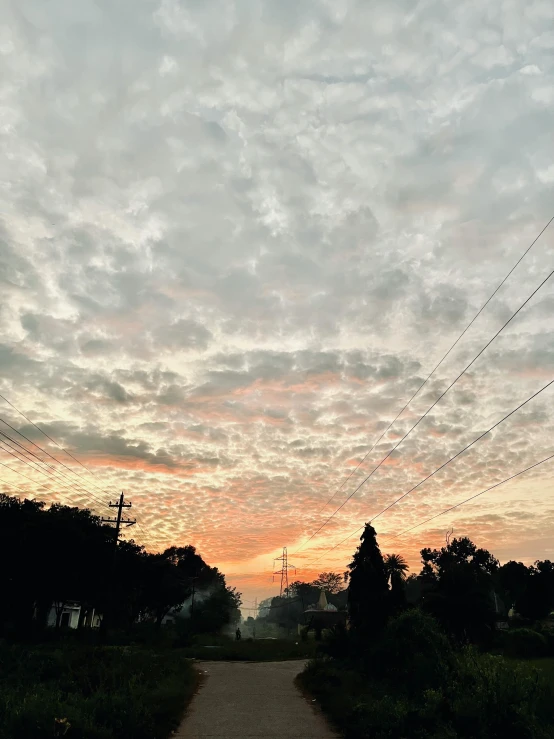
(252, 699)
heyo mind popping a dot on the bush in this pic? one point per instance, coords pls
(413, 684)
(525, 644)
(92, 692)
(491, 697)
(413, 652)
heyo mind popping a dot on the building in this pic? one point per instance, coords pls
(71, 612)
(323, 615)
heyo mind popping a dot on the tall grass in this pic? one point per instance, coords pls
(87, 692)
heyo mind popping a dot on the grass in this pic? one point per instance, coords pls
(545, 666)
(491, 696)
(91, 692)
(246, 650)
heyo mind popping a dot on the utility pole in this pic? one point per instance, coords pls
(194, 579)
(255, 617)
(120, 505)
(118, 521)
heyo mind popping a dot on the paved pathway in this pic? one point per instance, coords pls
(251, 699)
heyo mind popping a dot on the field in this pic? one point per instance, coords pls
(257, 650)
(86, 692)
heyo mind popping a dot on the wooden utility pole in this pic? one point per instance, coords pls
(118, 521)
(120, 505)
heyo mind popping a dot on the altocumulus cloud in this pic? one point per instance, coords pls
(237, 235)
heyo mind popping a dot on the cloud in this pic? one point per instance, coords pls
(236, 239)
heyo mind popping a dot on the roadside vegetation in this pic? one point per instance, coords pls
(131, 677)
(87, 692)
(423, 657)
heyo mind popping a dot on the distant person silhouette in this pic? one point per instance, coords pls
(238, 635)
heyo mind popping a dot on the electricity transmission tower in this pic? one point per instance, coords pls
(284, 572)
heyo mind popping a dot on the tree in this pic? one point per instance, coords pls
(330, 581)
(458, 588)
(395, 570)
(263, 607)
(538, 599)
(413, 589)
(396, 567)
(512, 580)
(368, 593)
(57, 554)
(220, 608)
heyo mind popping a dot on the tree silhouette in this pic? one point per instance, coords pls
(330, 581)
(396, 567)
(368, 593)
(458, 588)
(56, 555)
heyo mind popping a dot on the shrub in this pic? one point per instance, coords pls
(92, 692)
(413, 684)
(491, 697)
(525, 644)
(413, 653)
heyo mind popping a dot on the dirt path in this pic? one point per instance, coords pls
(252, 699)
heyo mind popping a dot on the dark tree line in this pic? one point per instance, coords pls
(51, 556)
(462, 586)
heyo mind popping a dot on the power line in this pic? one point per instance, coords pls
(49, 455)
(18, 455)
(52, 440)
(11, 469)
(429, 409)
(435, 368)
(438, 468)
(79, 487)
(472, 497)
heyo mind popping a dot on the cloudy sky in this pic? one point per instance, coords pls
(236, 236)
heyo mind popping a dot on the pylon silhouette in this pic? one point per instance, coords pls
(284, 572)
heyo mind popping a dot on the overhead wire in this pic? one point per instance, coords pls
(47, 453)
(50, 438)
(472, 497)
(468, 446)
(510, 319)
(4, 447)
(78, 486)
(436, 367)
(75, 459)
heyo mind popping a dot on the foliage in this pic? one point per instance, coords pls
(368, 593)
(330, 581)
(91, 692)
(414, 684)
(135, 586)
(418, 678)
(415, 650)
(512, 579)
(458, 587)
(525, 643)
(396, 567)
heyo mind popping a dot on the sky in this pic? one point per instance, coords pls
(237, 236)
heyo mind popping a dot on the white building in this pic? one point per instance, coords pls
(70, 616)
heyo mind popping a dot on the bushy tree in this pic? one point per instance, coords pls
(459, 588)
(51, 556)
(330, 581)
